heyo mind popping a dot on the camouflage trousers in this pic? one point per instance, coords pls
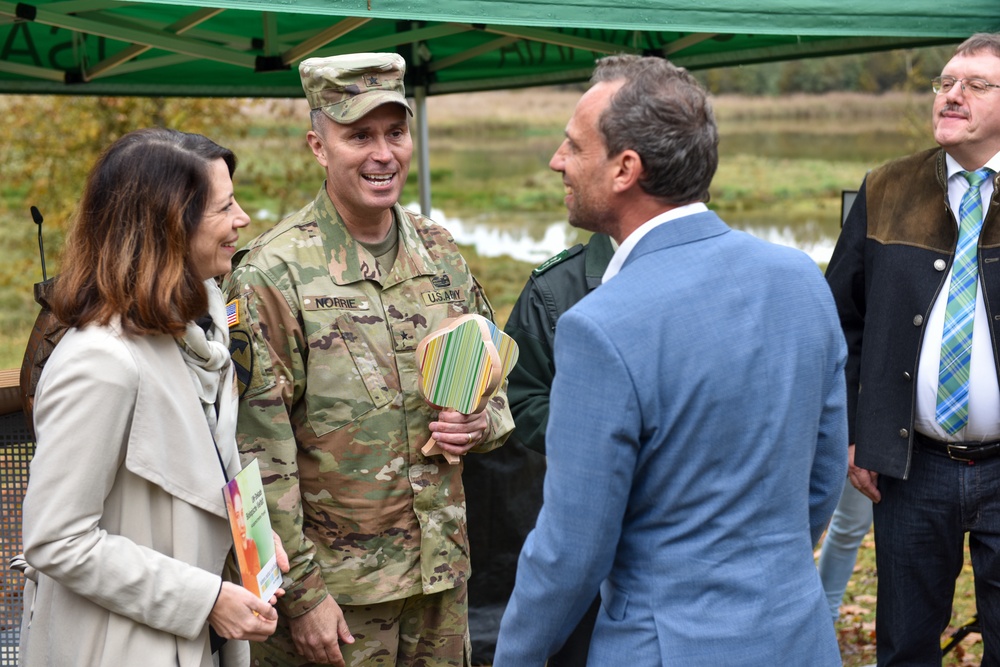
(419, 631)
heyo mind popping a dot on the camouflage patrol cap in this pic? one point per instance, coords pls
(349, 86)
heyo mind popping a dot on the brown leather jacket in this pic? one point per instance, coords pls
(890, 262)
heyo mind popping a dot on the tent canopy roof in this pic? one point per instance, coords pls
(252, 47)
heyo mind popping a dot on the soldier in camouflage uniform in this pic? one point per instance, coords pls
(327, 310)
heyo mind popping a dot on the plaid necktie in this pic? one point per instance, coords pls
(956, 339)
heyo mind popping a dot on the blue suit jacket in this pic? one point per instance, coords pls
(697, 446)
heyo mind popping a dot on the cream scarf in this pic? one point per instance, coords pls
(206, 355)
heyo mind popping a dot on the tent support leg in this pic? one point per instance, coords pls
(423, 150)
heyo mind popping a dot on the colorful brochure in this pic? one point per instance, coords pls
(252, 537)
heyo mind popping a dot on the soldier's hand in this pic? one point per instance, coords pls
(457, 433)
(318, 633)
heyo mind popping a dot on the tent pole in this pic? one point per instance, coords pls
(423, 151)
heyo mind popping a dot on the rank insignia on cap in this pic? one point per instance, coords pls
(233, 313)
(349, 86)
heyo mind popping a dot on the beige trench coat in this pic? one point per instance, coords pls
(124, 519)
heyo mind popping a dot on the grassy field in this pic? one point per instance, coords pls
(277, 175)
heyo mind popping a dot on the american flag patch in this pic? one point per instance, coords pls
(232, 313)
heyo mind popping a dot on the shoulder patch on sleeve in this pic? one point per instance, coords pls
(241, 350)
(233, 313)
(252, 363)
(557, 259)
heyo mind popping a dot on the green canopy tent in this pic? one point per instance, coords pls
(250, 48)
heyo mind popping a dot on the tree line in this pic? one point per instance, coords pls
(51, 141)
(878, 72)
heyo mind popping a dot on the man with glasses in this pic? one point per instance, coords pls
(916, 276)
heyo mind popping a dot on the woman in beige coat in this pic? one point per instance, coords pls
(125, 530)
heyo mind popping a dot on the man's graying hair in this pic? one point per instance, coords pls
(980, 42)
(317, 118)
(663, 114)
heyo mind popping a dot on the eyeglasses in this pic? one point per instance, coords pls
(944, 84)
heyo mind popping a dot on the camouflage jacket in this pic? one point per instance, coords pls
(325, 348)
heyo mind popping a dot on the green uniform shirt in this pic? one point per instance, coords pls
(554, 287)
(325, 347)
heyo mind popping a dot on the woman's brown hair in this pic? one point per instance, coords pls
(128, 254)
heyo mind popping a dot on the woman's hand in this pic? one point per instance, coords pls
(279, 552)
(239, 614)
(282, 558)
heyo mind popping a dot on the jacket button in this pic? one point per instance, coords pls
(939, 264)
(903, 433)
(906, 376)
(918, 320)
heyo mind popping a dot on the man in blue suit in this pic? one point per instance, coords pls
(697, 435)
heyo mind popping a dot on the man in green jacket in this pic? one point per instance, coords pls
(555, 286)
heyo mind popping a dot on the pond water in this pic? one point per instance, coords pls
(812, 227)
(534, 237)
